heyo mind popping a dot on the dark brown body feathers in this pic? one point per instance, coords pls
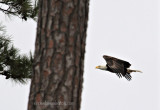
(118, 66)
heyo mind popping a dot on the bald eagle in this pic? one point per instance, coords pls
(117, 66)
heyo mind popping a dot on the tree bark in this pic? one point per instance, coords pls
(59, 55)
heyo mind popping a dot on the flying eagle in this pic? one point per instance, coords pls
(117, 66)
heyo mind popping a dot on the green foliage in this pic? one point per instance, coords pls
(22, 8)
(12, 64)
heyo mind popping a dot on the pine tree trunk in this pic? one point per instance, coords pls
(59, 55)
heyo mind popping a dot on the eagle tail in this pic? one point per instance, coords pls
(130, 71)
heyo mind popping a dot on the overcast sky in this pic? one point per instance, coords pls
(127, 29)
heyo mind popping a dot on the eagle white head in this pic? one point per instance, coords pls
(101, 67)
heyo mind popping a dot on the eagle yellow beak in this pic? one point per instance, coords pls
(97, 67)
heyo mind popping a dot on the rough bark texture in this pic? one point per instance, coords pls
(59, 55)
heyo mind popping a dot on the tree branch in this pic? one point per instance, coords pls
(7, 11)
(5, 73)
(9, 75)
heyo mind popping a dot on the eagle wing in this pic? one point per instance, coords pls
(118, 66)
(109, 59)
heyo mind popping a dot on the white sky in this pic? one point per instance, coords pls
(127, 29)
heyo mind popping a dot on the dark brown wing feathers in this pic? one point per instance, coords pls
(118, 66)
(125, 63)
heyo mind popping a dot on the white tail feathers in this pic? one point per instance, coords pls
(138, 71)
(130, 71)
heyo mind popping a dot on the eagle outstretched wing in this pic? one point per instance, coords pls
(118, 66)
(109, 58)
